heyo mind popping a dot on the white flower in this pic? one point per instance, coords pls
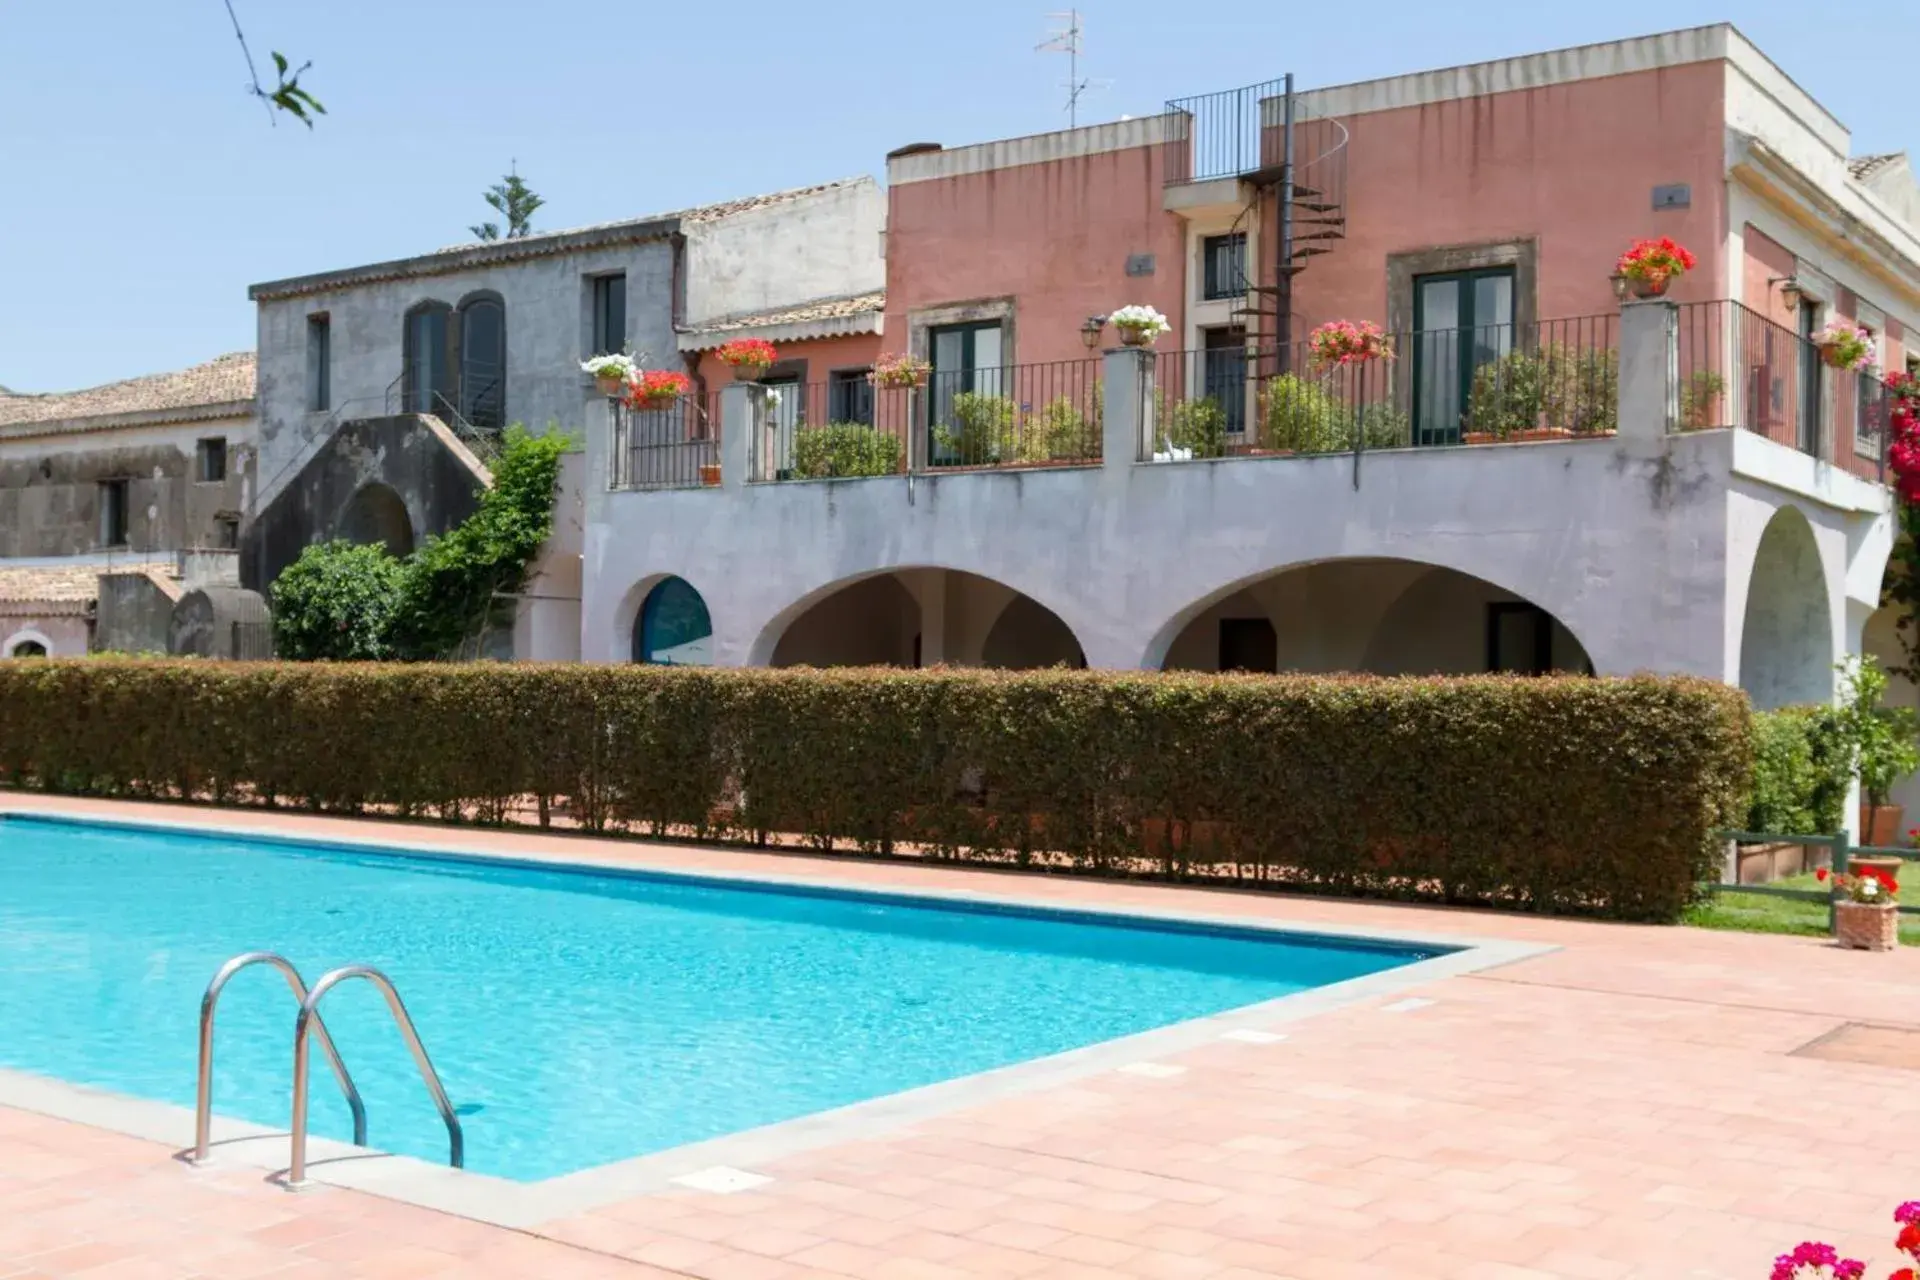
(1145, 319)
(1869, 888)
(614, 366)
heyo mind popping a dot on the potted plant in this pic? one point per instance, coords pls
(1846, 346)
(710, 474)
(1812, 1260)
(1883, 744)
(655, 388)
(901, 370)
(1867, 915)
(749, 358)
(610, 373)
(1139, 326)
(1651, 265)
(1344, 342)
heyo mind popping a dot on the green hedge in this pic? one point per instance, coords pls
(1800, 774)
(1570, 795)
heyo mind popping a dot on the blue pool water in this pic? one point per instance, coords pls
(577, 1018)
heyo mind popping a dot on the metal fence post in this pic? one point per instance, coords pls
(1841, 859)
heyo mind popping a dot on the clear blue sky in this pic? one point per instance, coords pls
(143, 191)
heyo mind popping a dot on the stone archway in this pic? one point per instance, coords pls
(921, 617)
(1786, 638)
(673, 627)
(1375, 615)
(377, 514)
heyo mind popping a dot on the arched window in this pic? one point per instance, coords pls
(483, 361)
(27, 649)
(427, 371)
(673, 628)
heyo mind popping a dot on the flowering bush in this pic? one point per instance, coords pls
(902, 370)
(1655, 261)
(1871, 885)
(1813, 1259)
(1340, 342)
(654, 388)
(1903, 451)
(1846, 346)
(1144, 322)
(753, 353)
(616, 367)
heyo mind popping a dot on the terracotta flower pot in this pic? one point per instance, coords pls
(1863, 926)
(1132, 337)
(1478, 437)
(749, 372)
(710, 474)
(608, 385)
(650, 404)
(1649, 286)
(1880, 825)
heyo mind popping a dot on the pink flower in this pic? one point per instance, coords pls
(1908, 1212)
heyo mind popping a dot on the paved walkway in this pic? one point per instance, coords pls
(1630, 1105)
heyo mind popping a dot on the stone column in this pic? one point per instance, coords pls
(1127, 404)
(1649, 373)
(740, 414)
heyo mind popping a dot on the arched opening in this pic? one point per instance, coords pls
(426, 378)
(1786, 637)
(1382, 617)
(673, 628)
(26, 647)
(483, 361)
(923, 618)
(378, 514)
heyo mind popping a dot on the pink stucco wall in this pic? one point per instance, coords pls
(820, 356)
(1054, 237)
(1573, 165)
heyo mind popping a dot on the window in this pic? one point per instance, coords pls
(966, 358)
(849, 396)
(1463, 322)
(226, 532)
(113, 513)
(211, 459)
(319, 363)
(1223, 265)
(483, 362)
(1519, 639)
(609, 314)
(426, 376)
(1248, 644)
(1224, 374)
(673, 628)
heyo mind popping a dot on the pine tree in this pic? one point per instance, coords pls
(515, 200)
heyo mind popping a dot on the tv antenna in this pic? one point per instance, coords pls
(1065, 38)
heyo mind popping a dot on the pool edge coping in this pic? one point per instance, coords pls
(520, 1205)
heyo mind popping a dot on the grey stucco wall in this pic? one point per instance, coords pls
(1628, 551)
(430, 473)
(548, 304)
(50, 488)
(133, 614)
(824, 245)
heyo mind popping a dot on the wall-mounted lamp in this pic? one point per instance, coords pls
(1091, 329)
(1620, 287)
(1790, 290)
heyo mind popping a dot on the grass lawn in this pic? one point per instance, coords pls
(1764, 913)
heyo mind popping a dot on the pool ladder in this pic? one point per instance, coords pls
(308, 1027)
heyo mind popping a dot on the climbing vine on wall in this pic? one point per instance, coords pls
(1903, 456)
(342, 601)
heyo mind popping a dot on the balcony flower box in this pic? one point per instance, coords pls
(897, 371)
(1860, 926)
(710, 474)
(1846, 346)
(652, 389)
(610, 373)
(1651, 265)
(749, 358)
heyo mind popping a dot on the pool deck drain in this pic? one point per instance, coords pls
(1622, 1101)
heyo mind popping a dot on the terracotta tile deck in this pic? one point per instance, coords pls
(1629, 1105)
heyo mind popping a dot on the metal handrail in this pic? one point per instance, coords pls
(203, 1094)
(308, 1021)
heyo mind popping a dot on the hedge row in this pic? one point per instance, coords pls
(1566, 795)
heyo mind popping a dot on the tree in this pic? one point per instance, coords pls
(515, 200)
(287, 95)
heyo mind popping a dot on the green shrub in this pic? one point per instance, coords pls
(979, 429)
(1700, 399)
(842, 449)
(1302, 415)
(1799, 773)
(1565, 795)
(1061, 433)
(336, 601)
(1197, 425)
(1555, 386)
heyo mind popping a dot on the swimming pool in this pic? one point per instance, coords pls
(578, 1016)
